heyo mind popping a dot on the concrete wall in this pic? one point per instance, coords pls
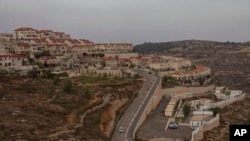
(190, 90)
(224, 103)
(153, 102)
(209, 125)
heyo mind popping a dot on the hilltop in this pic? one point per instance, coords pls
(162, 47)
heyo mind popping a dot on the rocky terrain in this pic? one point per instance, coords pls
(237, 113)
(37, 109)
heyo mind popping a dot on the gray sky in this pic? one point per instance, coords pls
(134, 21)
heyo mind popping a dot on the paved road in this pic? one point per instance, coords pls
(132, 114)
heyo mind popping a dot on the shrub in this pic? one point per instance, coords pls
(68, 86)
(32, 73)
(47, 74)
(86, 93)
(186, 110)
(56, 80)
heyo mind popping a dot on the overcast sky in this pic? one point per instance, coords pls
(135, 21)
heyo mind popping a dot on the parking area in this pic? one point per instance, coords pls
(183, 132)
(155, 124)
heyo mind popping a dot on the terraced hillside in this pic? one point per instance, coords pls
(37, 109)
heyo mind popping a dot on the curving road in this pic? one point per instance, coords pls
(131, 116)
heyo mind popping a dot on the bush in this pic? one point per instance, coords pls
(56, 80)
(68, 86)
(201, 80)
(186, 110)
(32, 73)
(86, 93)
(169, 81)
(215, 110)
(136, 76)
(47, 74)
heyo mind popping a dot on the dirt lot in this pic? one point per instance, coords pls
(36, 109)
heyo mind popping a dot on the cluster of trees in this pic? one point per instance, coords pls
(186, 110)
(169, 81)
(45, 74)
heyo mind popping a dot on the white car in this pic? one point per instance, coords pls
(193, 127)
(121, 130)
(173, 125)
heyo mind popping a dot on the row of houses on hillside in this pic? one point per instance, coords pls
(30, 33)
(18, 63)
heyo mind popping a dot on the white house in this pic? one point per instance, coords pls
(199, 118)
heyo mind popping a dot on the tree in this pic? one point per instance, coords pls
(193, 66)
(39, 64)
(168, 81)
(86, 93)
(68, 86)
(32, 73)
(103, 63)
(215, 110)
(186, 110)
(47, 74)
(201, 80)
(56, 80)
(136, 76)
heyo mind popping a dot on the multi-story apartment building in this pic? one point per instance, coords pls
(25, 33)
(22, 48)
(110, 61)
(170, 63)
(44, 34)
(53, 49)
(55, 41)
(113, 47)
(73, 42)
(199, 71)
(28, 33)
(13, 61)
(85, 42)
(61, 35)
(6, 36)
(49, 60)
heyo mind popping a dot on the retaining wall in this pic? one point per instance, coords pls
(208, 125)
(153, 102)
(183, 90)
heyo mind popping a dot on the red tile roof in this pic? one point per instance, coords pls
(109, 58)
(45, 31)
(14, 55)
(73, 41)
(59, 33)
(86, 41)
(24, 29)
(26, 45)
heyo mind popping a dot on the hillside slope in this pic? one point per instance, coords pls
(162, 47)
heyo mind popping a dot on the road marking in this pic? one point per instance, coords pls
(140, 107)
